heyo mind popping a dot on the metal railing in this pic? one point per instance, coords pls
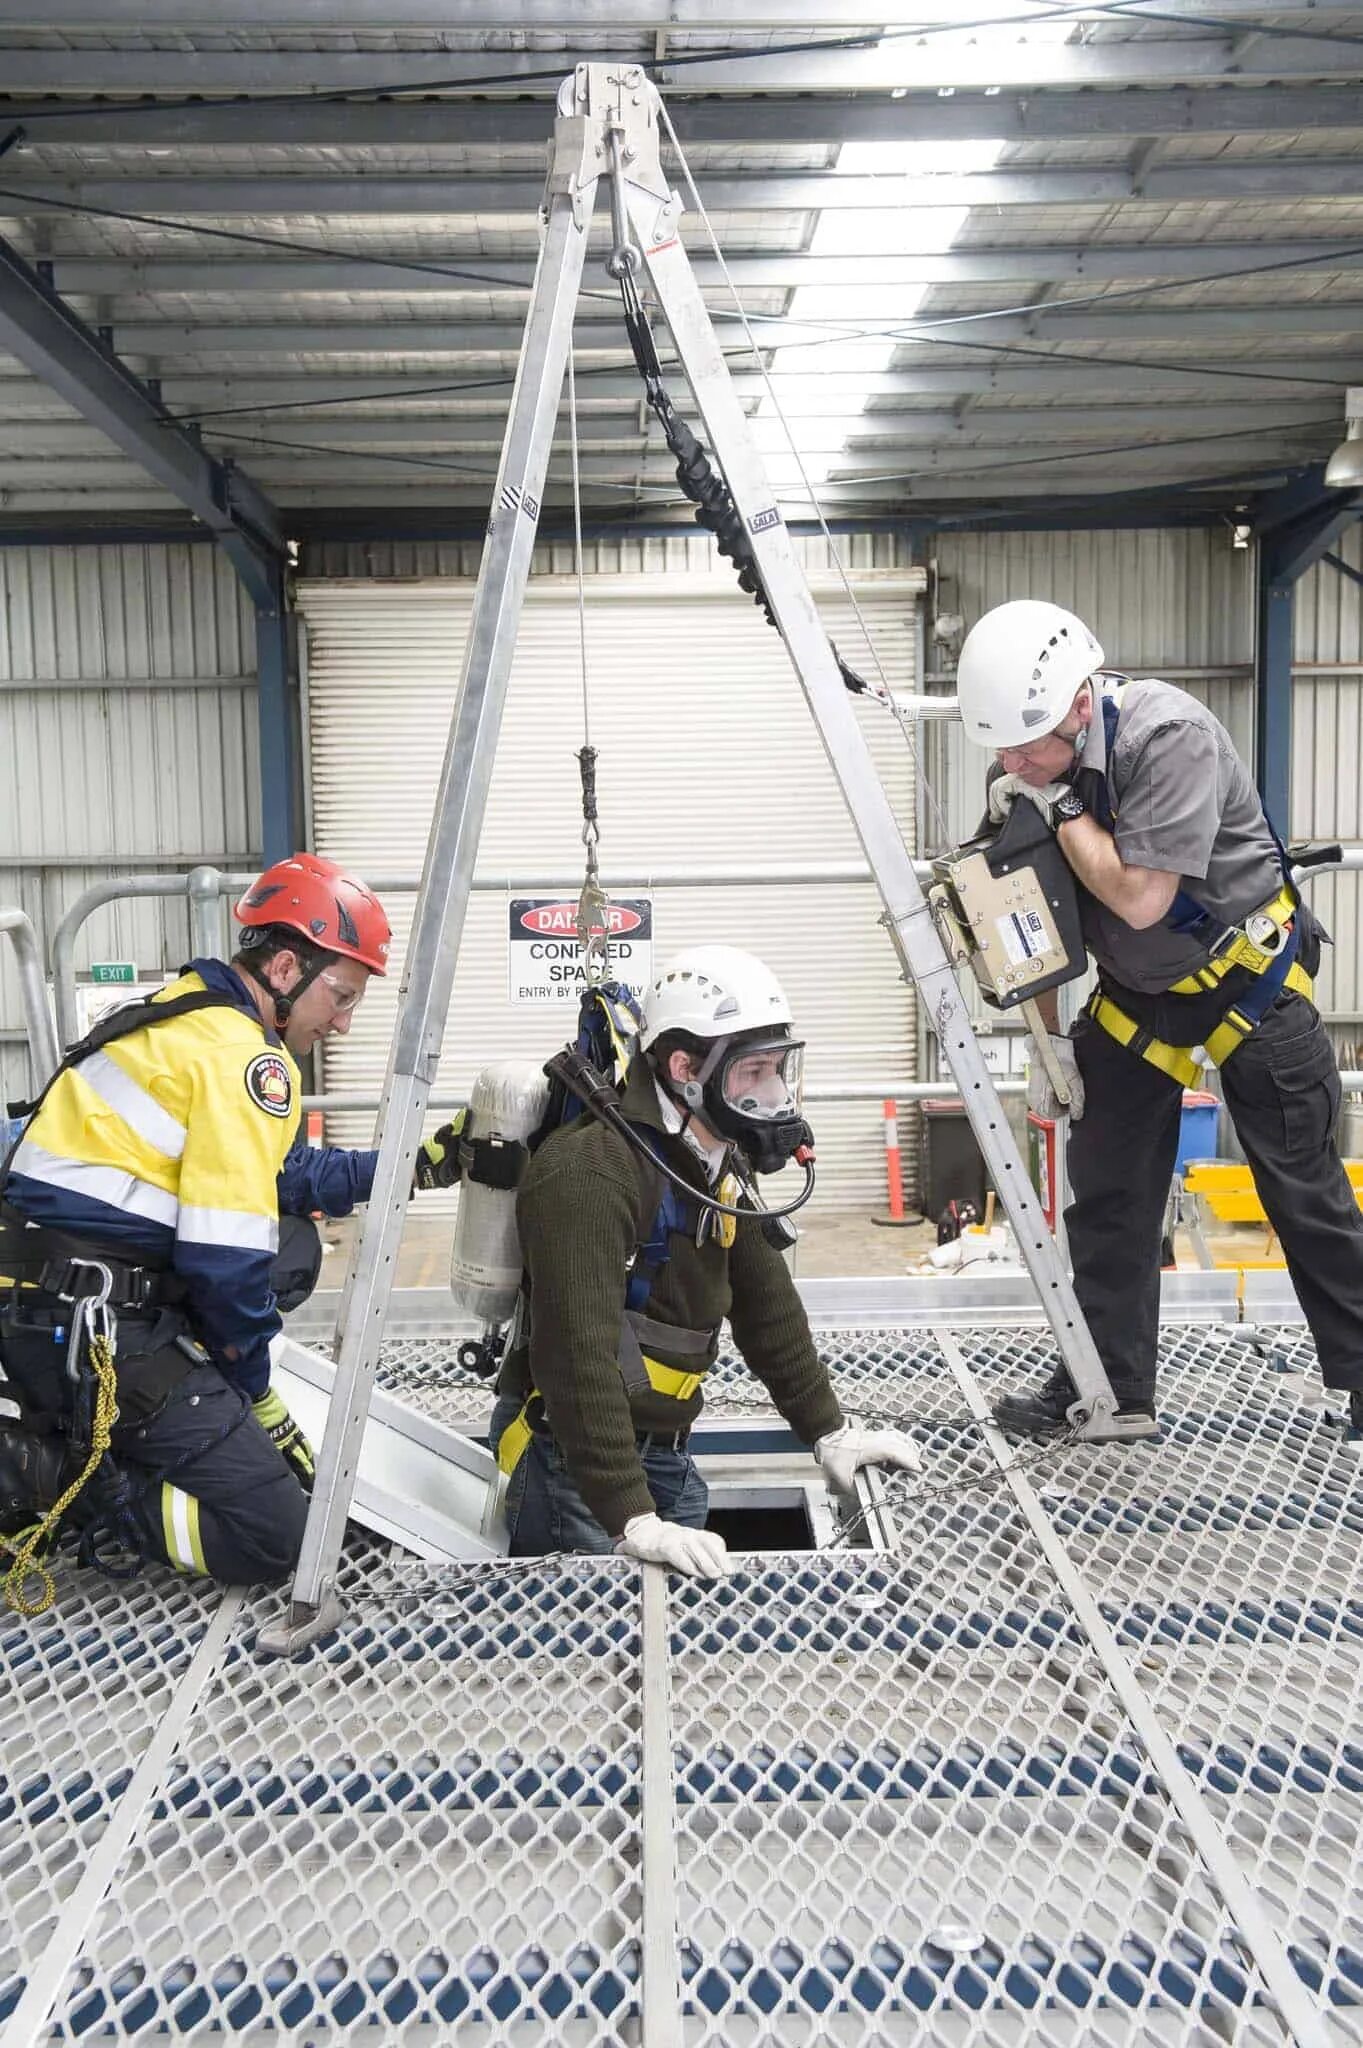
(43, 1050)
(205, 887)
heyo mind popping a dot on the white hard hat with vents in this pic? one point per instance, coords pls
(1020, 667)
(713, 992)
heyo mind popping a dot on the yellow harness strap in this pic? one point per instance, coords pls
(664, 1379)
(1240, 951)
(515, 1438)
(1176, 1060)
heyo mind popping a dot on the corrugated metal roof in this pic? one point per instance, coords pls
(1157, 193)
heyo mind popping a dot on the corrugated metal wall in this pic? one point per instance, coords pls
(115, 777)
(127, 742)
(681, 554)
(1327, 770)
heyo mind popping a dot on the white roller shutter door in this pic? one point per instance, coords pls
(708, 755)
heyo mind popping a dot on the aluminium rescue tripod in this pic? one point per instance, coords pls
(608, 126)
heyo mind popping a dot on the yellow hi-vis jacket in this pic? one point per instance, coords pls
(169, 1143)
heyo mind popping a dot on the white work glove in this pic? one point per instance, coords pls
(1005, 790)
(1042, 1099)
(695, 1553)
(843, 1452)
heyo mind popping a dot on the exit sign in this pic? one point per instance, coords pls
(105, 971)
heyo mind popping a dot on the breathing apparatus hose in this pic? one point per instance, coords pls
(577, 1074)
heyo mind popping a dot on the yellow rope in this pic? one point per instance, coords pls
(24, 1548)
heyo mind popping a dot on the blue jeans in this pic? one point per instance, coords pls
(545, 1511)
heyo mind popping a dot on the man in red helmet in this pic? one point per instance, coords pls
(164, 1152)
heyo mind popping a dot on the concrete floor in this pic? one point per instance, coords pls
(843, 1244)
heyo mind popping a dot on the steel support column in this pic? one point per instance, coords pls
(277, 672)
(1297, 527)
(1273, 684)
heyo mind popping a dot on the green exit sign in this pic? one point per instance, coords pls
(104, 971)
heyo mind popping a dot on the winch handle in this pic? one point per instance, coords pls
(1041, 1039)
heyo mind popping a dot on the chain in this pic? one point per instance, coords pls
(889, 1418)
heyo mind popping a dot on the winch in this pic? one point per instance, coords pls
(1008, 907)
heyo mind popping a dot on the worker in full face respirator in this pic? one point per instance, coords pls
(641, 1229)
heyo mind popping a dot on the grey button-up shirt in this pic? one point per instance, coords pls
(1186, 804)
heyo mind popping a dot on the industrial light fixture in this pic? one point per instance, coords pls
(1344, 470)
(1241, 535)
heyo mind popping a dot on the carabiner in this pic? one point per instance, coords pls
(93, 1310)
(106, 1279)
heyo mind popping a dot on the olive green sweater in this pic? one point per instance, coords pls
(586, 1204)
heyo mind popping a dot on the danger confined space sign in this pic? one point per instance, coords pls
(544, 960)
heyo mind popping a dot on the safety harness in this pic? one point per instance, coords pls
(37, 1258)
(33, 1255)
(641, 1333)
(1270, 956)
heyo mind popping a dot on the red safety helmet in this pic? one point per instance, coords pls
(324, 904)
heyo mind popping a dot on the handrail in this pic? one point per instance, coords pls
(43, 1051)
(205, 886)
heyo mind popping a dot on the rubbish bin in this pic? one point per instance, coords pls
(1198, 1127)
(953, 1170)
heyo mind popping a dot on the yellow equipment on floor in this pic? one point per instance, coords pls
(1227, 1189)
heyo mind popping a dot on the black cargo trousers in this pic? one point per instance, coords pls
(191, 1479)
(1282, 1092)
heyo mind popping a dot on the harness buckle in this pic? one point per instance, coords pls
(1268, 936)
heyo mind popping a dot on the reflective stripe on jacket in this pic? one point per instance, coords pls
(170, 1142)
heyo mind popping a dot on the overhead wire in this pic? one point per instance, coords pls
(1065, 454)
(1071, 453)
(922, 328)
(922, 332)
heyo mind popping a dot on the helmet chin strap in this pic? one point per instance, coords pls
(283, 1004)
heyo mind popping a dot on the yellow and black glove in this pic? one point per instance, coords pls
(287, 1438)
(437, 1160)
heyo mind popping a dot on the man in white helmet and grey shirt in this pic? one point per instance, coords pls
(1202, 946)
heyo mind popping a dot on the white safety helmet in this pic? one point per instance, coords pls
(1019, 669)
(713, 992)
(748, 1084)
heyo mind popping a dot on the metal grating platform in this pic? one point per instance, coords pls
(845, 1797)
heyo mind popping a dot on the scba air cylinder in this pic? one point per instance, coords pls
(507, 1103)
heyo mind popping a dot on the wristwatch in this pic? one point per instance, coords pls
(1067, 806)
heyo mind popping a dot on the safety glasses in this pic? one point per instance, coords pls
(343, 998)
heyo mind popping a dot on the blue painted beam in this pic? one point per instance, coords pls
(1273, 707)
(277, 723)
(40, 329)
(1345, 568)
(1297, 526)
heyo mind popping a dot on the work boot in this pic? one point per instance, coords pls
(34, 1472)
(1355, 1412)
(1045, 1413)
